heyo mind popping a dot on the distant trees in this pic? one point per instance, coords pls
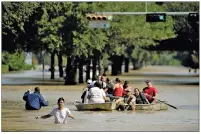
(61, 29)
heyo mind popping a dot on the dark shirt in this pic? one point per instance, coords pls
(110, 88)
(140, 99)
(34, 100)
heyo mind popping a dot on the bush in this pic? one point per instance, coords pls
(16, 61)
(28, 67)
(5, 68)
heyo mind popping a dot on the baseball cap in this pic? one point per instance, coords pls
(147, 81)
(89, 81)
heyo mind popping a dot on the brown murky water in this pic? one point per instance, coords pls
(186, 118)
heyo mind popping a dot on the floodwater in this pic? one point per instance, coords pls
(185, 118)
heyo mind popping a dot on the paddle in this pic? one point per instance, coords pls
(164, 103)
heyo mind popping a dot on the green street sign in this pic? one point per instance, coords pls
(99, 24)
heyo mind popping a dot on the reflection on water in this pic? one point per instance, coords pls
(186, 118)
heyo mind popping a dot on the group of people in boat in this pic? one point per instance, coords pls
(103, 90)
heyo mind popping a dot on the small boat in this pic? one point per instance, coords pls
(107, 106)
(154, 107)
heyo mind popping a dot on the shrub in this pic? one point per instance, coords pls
(4, 68)
(28, 67)
(16, 61)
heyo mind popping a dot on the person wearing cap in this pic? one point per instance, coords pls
(129, 99)
(86, 90)
(150, 92)
(61, 113)
(35, 100)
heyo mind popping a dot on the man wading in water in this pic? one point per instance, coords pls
(35, 100)
(60, 114)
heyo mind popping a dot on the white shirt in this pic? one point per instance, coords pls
(97, 95)
(60, 116)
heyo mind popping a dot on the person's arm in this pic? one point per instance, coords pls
(89, 95)
(26, 95)
(104, 95)
(132, 97)
(44, 116)
(144, 98)
(42, 101)
(155, 93)
(69, 114)
(155, 96)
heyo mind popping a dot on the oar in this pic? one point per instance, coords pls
(166, 104)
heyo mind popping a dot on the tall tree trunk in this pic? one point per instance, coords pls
(119, 61)
(134, 64)
(60, 64)
(81, 80)
(71, 71)
(105, 69)
(126, 65)
(101, 71)
(52, 65)
(94, 62)
(88, 69)
(114, 66)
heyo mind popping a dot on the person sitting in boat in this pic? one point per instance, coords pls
(110, 89)
(130, 99)
(85, 91)
(126, 87)
(102, 82)
(128, 102)
(140, 97)
(96, 95)
(150, 92)
(118, 91)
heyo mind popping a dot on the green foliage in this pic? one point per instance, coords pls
(63, 27)
(28, 67)
(186, 30)
(18, 25)
(4, 68)
(165, 58)
(16, 61)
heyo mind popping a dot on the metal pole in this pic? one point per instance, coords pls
(145, 6)
(144, 13)
(43, 67)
